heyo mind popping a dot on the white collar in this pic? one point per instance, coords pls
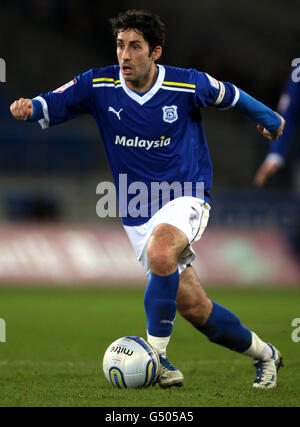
(142, 99)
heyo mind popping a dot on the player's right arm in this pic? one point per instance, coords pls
(68, 101)
(22, 109)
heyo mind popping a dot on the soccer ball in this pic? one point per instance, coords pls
(131, 362)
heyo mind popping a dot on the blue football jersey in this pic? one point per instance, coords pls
(156, 136)
(289, 108)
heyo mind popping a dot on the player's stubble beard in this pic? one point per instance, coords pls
(140, 81)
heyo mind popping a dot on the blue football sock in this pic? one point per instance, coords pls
(160, 303)
(224, 327)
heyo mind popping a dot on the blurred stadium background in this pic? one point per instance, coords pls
(49, 229)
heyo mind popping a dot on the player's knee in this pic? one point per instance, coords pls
(161, 261)
(164, 248)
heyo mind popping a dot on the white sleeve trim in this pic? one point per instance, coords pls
(275, 159)
(45, 122)
(237, 96)
(235, 99)
(221, 95)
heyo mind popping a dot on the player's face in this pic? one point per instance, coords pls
(137, 64)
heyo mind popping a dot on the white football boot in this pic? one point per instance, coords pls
(169, 376)
(266, 372)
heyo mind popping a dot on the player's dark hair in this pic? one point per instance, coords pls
(147, 23)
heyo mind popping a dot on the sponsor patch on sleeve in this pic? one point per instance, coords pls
(65, 86)
(212, 81)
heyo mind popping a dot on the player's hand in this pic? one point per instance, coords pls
(272, 135)
(266, 170)
(21, 109)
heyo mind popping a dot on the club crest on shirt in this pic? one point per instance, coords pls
(170, 113)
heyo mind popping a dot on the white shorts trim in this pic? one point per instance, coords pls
(189, 214)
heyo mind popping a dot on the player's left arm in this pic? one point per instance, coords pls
(224, 95)
(269, 123)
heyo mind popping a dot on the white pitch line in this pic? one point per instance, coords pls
(95, 363)
(62, 363)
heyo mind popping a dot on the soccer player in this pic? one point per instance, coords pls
(289, 107)
(149, 120)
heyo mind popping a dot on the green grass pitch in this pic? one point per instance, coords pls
(56, 338)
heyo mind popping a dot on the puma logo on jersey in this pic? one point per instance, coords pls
(116, 112)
